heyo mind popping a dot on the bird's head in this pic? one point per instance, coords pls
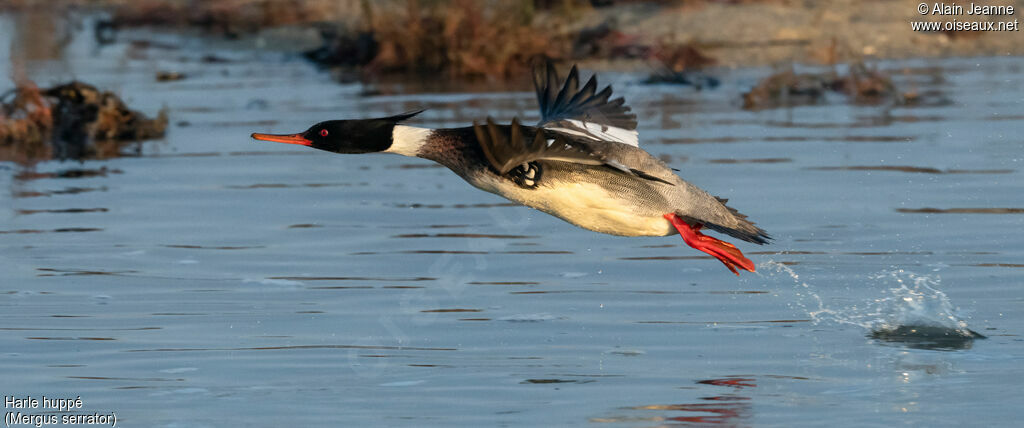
(344, 136)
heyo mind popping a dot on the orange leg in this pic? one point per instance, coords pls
(725, 252)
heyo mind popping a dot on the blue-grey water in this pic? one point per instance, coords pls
(214, 280)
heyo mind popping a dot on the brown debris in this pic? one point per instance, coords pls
(169, 76)
(860, 84)
(606, 41)
(24, 116)
(682, 57)
(865, 85)
(69, 121)
(786, 89)
(681, 65)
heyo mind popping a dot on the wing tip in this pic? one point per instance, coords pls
(566, 100)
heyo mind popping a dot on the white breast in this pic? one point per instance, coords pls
(586, 205)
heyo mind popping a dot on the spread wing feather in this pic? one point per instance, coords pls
(507, 147)
(582, 112)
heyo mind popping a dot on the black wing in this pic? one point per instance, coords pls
(507, 147)
(582, 112)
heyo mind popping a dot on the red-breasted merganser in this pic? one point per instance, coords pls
(582, 163)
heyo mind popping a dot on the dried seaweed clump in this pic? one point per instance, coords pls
(682, 65)
(24, 117)
(860, 85)
(70, 121)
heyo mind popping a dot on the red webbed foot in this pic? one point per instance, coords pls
(725, 252)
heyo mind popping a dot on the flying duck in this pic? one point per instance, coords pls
(581, 163)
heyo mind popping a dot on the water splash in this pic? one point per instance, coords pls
(911, 311)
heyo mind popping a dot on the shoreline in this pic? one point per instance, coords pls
(622, 37)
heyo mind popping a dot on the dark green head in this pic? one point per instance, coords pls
(344, 136)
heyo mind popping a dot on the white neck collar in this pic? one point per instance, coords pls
(407, 140)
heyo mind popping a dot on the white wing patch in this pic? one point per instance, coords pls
(596, 131)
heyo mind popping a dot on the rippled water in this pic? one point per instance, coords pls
(215, 279)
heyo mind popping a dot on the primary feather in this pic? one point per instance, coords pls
(583, 112)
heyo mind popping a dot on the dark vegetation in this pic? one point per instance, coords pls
(456, 38)
(230, 18)
(69, 121)
(460, 38)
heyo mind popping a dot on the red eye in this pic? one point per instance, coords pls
(323, 132)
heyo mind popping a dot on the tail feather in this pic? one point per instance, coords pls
(742, 229)
(747, 232)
